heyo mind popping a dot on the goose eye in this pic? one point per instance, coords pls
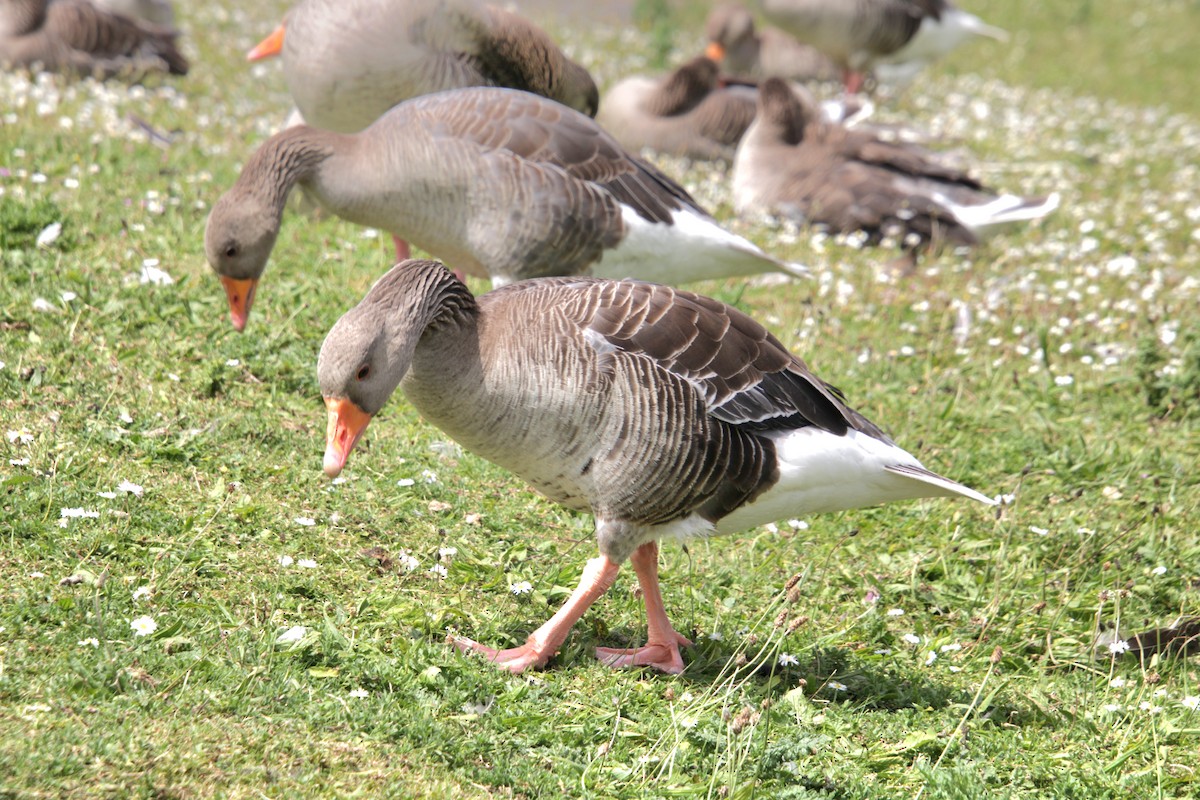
(364, 372)
(231, 251)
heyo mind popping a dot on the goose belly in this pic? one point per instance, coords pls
(821, 472)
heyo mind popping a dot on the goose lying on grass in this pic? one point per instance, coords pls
(76, 36)
(794, 163)
(496, 182)
(663, 413)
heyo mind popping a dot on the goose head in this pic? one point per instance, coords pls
(728, 27)
(238, 240)
(370, 349)
(786, 110)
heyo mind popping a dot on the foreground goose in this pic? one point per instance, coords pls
(793, 163)
(685, 113)
(348, 61)
(896, 38)
(76, 36)
(663, 413)
(743, 50)
(498, 183)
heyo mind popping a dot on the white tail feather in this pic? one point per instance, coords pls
(1008, 209)
(933, 479)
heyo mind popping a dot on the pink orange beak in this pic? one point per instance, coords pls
(346, 425)
(270, 46)
(240, 293)
(714, 52)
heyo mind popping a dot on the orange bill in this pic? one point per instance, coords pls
(270, 46)
(346, 425)
(240, 292)
(714, 52)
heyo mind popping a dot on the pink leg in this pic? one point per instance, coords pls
(543, 643)
(853, 81)
(403, 251)
(661, 650)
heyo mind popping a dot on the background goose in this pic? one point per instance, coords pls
(684, 113)
(348, 61)
(896, 38)
(661, 412)
(497, 182)
(74, 35)
(793, 163)
(743, 50)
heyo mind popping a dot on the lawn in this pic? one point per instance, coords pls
(189, 608)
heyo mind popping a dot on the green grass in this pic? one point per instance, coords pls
(1069, 380)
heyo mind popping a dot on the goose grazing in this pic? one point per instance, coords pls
(348, 61)
(685, 113)
(793, 163)
(77, 36)
(743, 50)
(896, 38)
(662, 412)
(498, 183)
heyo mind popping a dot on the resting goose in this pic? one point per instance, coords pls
(160, 12)
(685, 113)
(348, 61)
(662, 412)
(895, 38)
(498, 183)
(743, 50)
(76, 36)
(793, 163)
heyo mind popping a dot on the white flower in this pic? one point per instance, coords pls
(409, 562)
(129, 487)
(37, 575)
(22, 436)
(788, 660)
(1038, 531)
(949, 648)
(439, 570)
(143, 626)
(1112, 708)
(1117, 683)
(895, 612)
(1191, 702)
(359, 693)
(1005, 499)
(339, 480)
(152, 274)
(286, 561)
(930, 658)
(447, 553)
(1159, 570)
(429, 476)
(837, 686)
(67, 297)
(1150, 707)
(306, 563)
(292, 634)
(233, 362)
(798, 524)
(107, 495)
(1111, 492)
(520, 587)
(76, 513)
(405, 482)
(19, 462)
(91, 641)
(45, 306)
(911, 638)
(771, 527)
(716, 636)
(49, 234)
(1063, 380)
(140, 592)
(1118, 647)
(307, 522)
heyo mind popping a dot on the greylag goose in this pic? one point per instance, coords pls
(76, 36)
(348, 61)
(896, 38)
(685, 113)
(499, 183)
(744, 51)
(663, 413)
(793, 163)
